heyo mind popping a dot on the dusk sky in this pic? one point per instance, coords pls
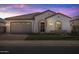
(9, 10)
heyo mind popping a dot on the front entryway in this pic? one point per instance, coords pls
(42, 26)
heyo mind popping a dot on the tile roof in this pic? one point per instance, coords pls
(32, 15)
(23, 17)
(28, 16)
(2, 20)
(60, 14)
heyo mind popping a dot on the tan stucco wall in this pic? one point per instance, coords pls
(65, 23)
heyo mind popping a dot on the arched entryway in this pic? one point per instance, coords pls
(42, 26)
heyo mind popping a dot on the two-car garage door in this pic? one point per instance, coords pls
(21, 27)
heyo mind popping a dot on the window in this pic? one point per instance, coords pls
(58, 25)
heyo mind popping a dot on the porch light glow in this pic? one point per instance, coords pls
(42, 21)
(50, 23)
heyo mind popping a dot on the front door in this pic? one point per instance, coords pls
(42, 26)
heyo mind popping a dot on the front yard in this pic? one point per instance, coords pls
(38, 37)
(51, 37)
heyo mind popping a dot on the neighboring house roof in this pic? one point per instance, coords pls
(57, 14)
(23, 17)
(75, 18)
(2, 20)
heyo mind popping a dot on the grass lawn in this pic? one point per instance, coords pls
(51, 37)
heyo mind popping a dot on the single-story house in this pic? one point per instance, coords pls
(39, 22)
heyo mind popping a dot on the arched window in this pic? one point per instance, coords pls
(58, 25)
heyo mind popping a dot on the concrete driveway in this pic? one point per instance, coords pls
(13, 36)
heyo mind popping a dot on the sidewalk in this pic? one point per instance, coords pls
(39, 43)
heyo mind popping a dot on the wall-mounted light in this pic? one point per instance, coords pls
(42, 21)
(50, 23)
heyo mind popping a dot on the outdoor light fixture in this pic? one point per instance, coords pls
(42, 21)
(50, 23)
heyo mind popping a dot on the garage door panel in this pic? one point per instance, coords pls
(21, 27)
